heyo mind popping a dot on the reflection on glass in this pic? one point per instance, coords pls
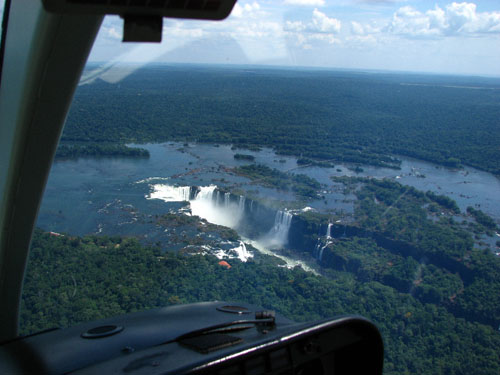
(268, 159)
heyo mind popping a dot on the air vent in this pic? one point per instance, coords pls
(194, 9)
(102, 331)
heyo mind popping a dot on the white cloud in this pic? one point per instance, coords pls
(328, 38)
(360, 30)
(114, 33)
(361, 40)
(111, 30)
(246, 10)
(296, 26)
(324, 24)
(454, 19)
(320, 23)
(357, 28)
(317, 3)
(320, 28)
(268, 32)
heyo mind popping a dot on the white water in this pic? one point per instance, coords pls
(320, 257)
(241, 252)
(278, 235)
(216, 210)
(318, 250)
(209, 205)
(170, 193)
(222, 211)
(241, 206)
(329, 230)
(289, 262)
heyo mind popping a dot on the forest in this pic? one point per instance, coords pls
(302, 185)
(409, 267)
(94, 149)
(319, 115)
(73, 279)
(407, 259)
(415, 236)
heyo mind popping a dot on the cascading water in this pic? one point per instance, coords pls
(320, 257)
(243, 253)
(170, 193)
(241, 206)
(278, 235)
(206, 193)
(207, 203)
(319, 249)
(329, 230)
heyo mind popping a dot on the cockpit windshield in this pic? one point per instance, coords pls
(314, 157)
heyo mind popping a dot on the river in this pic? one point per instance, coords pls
(108, 195)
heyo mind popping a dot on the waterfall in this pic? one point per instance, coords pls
(320, 256)
(329, 230)
(241, 207)
(222, 208)
(171, 193)
(317, 248)
(208, 203)
(206, 193)
(278, 235)
(243, 253)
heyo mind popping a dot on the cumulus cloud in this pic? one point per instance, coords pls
(245, 10)
(320, 23)
(359, 29)
(296, 26)
(324, 24)
(318, 3)
(454, 19)
(111, 30)
(319, 28)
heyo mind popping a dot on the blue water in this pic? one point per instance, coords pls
(102, 195)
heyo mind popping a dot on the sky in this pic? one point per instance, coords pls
(419, 36)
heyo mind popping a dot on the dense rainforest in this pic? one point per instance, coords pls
(302, 185)
(72, 151)
(409, 260)
(319, 115)
(413, 241)
(73, 279)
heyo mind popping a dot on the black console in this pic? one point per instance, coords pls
(203, 338)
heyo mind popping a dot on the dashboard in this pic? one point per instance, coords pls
(202, 338)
